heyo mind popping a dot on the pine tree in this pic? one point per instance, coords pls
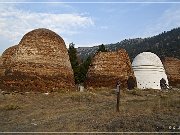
(80, 70)
(83, 69)
(102, 48)
(74, 61)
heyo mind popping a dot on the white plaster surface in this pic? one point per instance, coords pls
(148, 70)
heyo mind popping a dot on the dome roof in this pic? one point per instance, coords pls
(41, 35)
(42, 46)
(148, 70)
(147, 58)
(8, 54)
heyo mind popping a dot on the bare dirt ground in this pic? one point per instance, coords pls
(91, 111)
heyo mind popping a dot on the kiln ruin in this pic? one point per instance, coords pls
(148, 70)
(172, 68)
(39, 62)
(109, 67)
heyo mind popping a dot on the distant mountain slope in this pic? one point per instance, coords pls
(166, 44)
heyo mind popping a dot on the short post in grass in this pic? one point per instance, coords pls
(118, 95)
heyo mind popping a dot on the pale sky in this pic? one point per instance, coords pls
(87, 23)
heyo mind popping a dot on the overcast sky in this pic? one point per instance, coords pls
(87, 24)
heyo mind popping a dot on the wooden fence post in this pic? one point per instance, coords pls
(118, 97)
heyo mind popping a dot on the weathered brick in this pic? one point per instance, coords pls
(109, 67)
(172, 68)
(39, 62)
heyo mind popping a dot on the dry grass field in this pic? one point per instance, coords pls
(91, 111)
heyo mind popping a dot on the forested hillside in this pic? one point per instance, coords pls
(166, 44)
